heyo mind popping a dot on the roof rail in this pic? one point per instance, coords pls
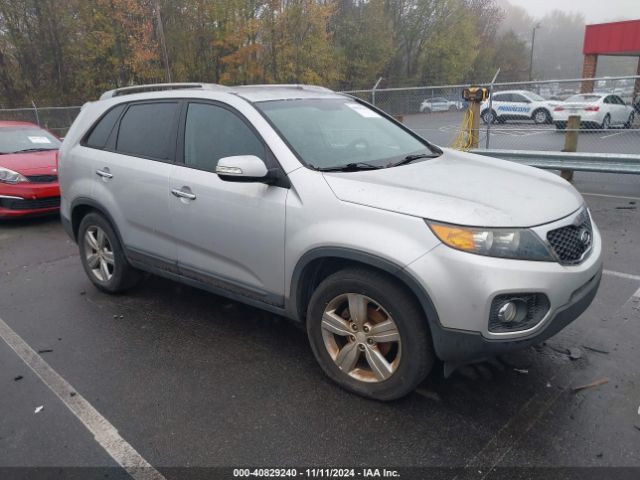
(156, 87)
(298, 86)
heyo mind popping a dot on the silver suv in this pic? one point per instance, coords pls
(319, 207)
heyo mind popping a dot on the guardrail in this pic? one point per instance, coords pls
(582, 162)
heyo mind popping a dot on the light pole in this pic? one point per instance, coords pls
(533, 41)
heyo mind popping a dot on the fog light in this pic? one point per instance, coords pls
(519, 311)
(507, 312)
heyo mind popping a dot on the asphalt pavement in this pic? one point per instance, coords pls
(190, 379)
(442, 128)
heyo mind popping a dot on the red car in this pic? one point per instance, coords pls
(28, 170)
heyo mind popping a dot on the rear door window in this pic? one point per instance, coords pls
(147, 130)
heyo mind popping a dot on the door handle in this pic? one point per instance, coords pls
(183, 194)
(104, 174)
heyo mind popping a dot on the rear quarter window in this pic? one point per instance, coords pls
(99, 134)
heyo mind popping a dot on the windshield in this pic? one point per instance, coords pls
(17, 139)
(583, 98)
(331, 133)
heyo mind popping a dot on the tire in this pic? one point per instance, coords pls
(489, 116)
(426, 110)
(110, 271)
(541, 116)
(452, 108)
(606, 122)
(409, 359)
(629, 122)
(561, 125)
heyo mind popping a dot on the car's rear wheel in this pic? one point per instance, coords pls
(561, 125)
(102, 256)
(369, 334)
(541, 116)
(606, 122)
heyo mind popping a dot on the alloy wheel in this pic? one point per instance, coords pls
(99, 253)
(541, 117)
(361, 337)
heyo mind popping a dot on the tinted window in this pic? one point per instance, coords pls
(515, 97)
(619, 100)
(100, 133)
(502, 97)
(146, 130)
(212, 133)
(609, 100)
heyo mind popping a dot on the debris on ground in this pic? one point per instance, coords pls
(597, 350)
(595, 383)
(72, 394)
(82, 292)
(548, 384)
(38, 409)
(428, 394)
(18, 378)
(523, 371)
(46, 350)
(575, 353)
(517, 359)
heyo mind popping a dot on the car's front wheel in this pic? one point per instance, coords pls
(489, 116)
(369, 334)
(102, 256)
(629, 122)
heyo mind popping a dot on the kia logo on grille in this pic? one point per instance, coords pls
(585, 237)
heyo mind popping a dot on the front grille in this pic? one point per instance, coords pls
(11, 204)
(42, 178)
(570, 243)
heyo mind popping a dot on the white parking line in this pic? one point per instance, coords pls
(612, 134)
(610, 196)
(626, 276)
(104, 433)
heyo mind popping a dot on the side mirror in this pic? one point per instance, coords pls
(242, 168)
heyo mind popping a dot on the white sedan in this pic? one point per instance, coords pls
(596, 110)
(440, 104)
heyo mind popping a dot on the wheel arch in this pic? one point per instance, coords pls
(319, 263)
(81, 207)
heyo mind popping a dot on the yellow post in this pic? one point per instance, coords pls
(475, 124)
(571, 142)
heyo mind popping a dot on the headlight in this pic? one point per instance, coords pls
(9, 176)
(518, 243)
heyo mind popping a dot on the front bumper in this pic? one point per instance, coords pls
(462, 286)
(27, 199)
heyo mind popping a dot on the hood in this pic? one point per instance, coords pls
(31, 163)
(462, 188)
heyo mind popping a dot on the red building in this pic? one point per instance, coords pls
(616, 38)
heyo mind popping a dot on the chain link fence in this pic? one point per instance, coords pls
(437, 113)
(55, 119)
(525, 114)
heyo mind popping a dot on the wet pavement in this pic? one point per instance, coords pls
(191, 379)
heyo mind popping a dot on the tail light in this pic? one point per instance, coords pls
(558, 109)
(593, 108)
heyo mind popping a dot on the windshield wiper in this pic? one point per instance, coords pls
(350, 167)
(34, 150)
(411, 158)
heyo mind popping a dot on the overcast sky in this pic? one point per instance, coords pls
(594, 11)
